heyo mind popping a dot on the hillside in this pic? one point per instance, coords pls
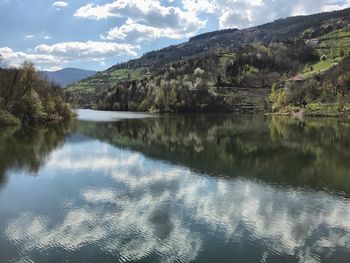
(230, 70)
(68, 76)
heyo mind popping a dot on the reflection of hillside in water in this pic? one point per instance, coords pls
(28, 148)
(312, 153)
(152, 209)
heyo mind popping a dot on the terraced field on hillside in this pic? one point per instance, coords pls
(106, 79)
(333, 46)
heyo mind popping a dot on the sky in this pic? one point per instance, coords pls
(97, 34)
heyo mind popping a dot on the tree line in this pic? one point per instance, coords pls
(27, 97)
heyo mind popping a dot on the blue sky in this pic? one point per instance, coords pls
(97, 34)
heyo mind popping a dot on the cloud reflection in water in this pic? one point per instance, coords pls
(152, 208)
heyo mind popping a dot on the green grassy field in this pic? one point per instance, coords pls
(322, 109)
(321, 66)
(107, 79)
(332, 45)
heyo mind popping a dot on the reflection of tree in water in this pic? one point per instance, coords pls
(312, 153)
(28, 148)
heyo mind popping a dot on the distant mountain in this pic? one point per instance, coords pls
(68, 76)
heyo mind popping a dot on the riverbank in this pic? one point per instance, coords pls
(313, 110)
(316, 110)
(8, 119)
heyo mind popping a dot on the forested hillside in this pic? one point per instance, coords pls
(292, 63)
(27, 97)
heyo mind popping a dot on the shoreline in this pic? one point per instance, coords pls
(295, 113)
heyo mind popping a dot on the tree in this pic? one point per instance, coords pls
(218, 83)
(30, 108)
(160, 98)
(28, 76)
(297, 95)
(277, 97)
(173, 96)
(30, 97)
(198, 72)
(145, 105)
(9, 91)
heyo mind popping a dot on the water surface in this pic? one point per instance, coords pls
(193, 188)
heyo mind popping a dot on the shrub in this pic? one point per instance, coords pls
(132, 106)
(277, 98)
(8, 119)
(116, 106)
(145, 105)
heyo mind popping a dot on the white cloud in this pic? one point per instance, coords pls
(133, 31)
(336, 6)
(149, 19)
(308, 6)
(199, 6)
(93, 11)
(47, 37)
(89, 49)
(246, 13)
(60, 4)
(13, 58)
(234, 19)
(54, 68)
(48, 56)
(146, 19)
(30, 36)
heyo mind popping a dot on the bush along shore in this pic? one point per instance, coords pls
(27, 97)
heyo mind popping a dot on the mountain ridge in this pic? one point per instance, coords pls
(68, 76)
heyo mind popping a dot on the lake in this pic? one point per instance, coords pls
(128, 187)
